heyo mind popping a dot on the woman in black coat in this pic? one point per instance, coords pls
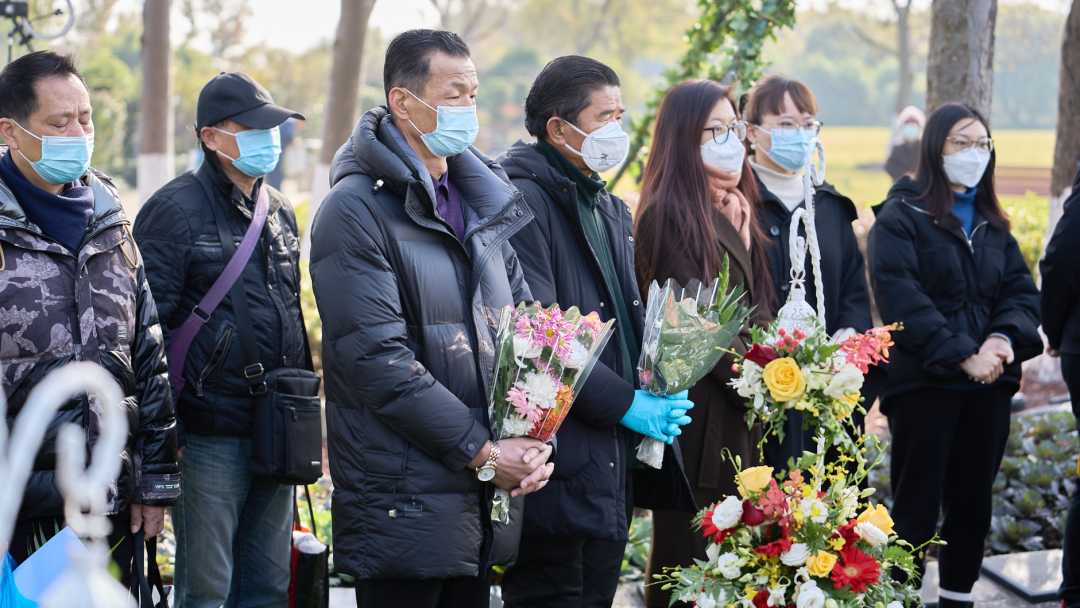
(775, 107)
(943, 263)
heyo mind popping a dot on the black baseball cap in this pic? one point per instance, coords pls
(238, 97)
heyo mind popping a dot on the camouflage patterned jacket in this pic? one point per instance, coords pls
(57, 307)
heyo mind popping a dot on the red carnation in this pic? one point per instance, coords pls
(775, 548)
(848, 533)
(855, 570)
(761, 600)
(761, 355)
(751, 515)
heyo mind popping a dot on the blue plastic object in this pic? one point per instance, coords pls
(34, 576)
(9, 592)
(658, 417)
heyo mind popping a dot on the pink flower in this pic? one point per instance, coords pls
(520, 400)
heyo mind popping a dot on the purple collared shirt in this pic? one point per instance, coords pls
(448, 204)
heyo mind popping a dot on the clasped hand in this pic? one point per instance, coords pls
(658, 417)
(989, 363)
(522, 466)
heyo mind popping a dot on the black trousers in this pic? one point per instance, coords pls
(947, 447)
(563, 573)
(464, 592)
(29, 532)
(1070, 558)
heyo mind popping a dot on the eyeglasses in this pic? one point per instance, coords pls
(721, 132)
(962, 143)
(790, 128)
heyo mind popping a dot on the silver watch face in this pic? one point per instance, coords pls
(486, 474)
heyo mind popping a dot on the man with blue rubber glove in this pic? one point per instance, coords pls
(579, 251)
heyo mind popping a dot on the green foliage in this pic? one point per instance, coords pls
(636, 554)
(727, 38)
(1029, 215)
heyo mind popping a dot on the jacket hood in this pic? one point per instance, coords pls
(904, 190)
(377, 149)
(106, 199)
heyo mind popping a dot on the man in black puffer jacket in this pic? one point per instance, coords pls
(73, 288)
(220, 559)
(411, 263)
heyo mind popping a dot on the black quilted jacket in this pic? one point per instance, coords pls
(91, 305)
(409, 355)
(950, 292)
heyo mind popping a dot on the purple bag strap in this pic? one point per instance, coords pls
(183, 336)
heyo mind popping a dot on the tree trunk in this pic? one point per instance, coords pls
(1067, 146)
(155, 167)
(903, 32)
(345, 78)
(961, 62)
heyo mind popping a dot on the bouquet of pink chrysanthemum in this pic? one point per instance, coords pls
(543, 356)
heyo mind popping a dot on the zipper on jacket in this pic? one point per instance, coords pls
(971, 237)
(219, 350)
(968, 239)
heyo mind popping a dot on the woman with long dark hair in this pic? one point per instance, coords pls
(943, 263)
(698, 199)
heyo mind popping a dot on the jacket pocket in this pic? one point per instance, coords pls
(942, 276)
(217, 357)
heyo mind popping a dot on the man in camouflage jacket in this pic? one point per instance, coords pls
(73, 288)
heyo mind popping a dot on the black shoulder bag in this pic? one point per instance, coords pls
(286, 441)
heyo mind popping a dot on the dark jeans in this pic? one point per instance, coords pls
(121, 538)
(563, 573)
(947, 448)
(465, 592)
(1070, 558)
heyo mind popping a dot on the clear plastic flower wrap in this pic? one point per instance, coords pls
(687, 330)
(543, 357)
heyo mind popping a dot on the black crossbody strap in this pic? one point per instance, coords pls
(253, 369)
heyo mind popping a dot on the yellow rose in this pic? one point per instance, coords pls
(821, 565)
(754, 479)
(784, 379)
(879, 516)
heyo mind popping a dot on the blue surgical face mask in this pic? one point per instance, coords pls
(63, 159)
(260, 150)
(788, 147)
(455, 129)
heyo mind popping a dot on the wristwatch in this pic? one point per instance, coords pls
(487, 472)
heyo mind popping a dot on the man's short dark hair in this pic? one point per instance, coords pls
(564, 88)
(408, 58)
(18, 100)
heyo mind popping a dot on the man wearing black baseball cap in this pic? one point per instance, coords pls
(226, 517)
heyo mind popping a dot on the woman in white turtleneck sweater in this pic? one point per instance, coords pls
(782, 117)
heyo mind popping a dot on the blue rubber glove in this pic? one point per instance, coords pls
(658, 417)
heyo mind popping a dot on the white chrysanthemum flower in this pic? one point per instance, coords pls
(871, 534)
(728, 565)
(728, 513)
(525, 349)
(579, 356)
(516, 425)
(848, 380)
(796, 555)
(542, 390)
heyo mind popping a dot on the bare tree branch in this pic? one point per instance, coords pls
(866, 38)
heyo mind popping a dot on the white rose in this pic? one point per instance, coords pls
(810, 596)
(871, 534)
(728, 565)
(848, 380)
(542, 390)
(815, 510)
(728, 513)
(525, 349)
(895, 605)
(796, 555)
(579, 356)
(706, 601)
(712, 552)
